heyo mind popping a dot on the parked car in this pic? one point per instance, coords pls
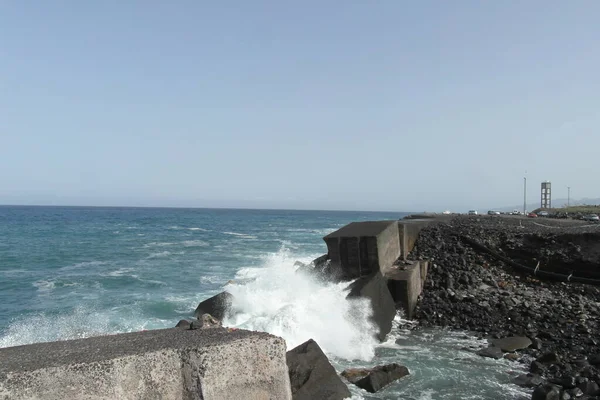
(532, 215)
(591, 217)
(543, 214)
(473, 212)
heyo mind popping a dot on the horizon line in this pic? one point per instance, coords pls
(203, 208)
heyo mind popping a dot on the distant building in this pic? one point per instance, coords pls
(546, 195)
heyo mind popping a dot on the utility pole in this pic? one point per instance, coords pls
(568, 196)
(524, 195)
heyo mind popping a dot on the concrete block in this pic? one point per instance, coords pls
(408, 233)
(167, 364)
(405, 285)
(362, 248)
(375, 288)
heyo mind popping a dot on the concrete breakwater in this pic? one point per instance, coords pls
(160, 364)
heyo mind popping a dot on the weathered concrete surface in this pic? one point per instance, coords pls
(374, 287)
(360, 248)
(408, 233)
(405, 284)
(160, 364)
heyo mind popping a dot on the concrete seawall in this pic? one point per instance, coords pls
(160, 364)
(360, 249)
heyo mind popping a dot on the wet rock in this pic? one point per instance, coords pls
(183, 324)
(512, 343)
(374, 287)
(528, 380)
(312, 376)
(374, 379)
(217, 306)
(491, 352)
(546, 392)
(537, 367)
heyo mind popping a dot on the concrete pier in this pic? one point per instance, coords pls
(361, 249)
(167, 364)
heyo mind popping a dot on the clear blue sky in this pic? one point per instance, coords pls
(373, 105)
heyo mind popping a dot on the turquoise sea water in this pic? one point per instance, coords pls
(71, 272)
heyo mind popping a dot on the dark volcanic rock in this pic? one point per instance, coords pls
(312, 376)
(491, 352)
(183, 324)
(528, 380)
(546, 392)
(374, 379)
(589, 388)
(548, 358)
(217, 306)
(374, 287)
(475, 283)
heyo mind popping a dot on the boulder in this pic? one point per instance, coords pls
(548, 358)
(589, 388)
(374, 379)
(528, 380)
(206, 321)
(217, 306)
(546, 392)
(312, 376)
(374, 287)
(491, 352)
(183, 324)
(594, 359)
(537, 367)
(512, 343)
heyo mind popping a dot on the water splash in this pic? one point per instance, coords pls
(277, 299)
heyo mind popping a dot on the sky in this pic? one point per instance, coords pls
(350, 105)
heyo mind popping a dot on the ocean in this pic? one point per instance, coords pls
(75, 272)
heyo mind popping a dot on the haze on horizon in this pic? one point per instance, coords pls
(357, 105)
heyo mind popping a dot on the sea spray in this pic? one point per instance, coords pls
(277, 299)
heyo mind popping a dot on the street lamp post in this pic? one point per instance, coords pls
(568, 196)
(524, 195)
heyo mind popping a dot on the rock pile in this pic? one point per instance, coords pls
(470, 290)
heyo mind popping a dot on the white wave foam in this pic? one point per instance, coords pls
(80, 323)
(194, 243)
(240, 235)
(159, 244)
(44, 286)
(296, 307)
(198, 229)
(160, 254)
(85, 264)
(120, 272)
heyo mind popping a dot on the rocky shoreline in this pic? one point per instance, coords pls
(557, 322)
